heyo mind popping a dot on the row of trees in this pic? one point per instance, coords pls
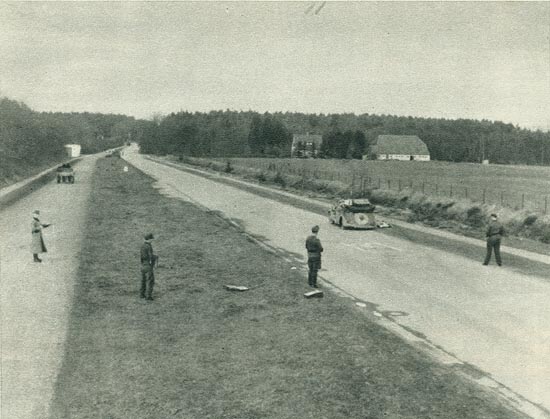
(268, 137)
(343, 145)
(30, 139)
(231, 133)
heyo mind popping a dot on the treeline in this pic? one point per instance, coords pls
(32, 140)
(233, 134)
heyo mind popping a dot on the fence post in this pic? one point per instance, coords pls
(522, 200)
(436, 189)
(466, 192)
(423, 187)
(362, 186)
(379, 183)
(411, 185)
(389, 184)
(545, 204)
(484, 195)
(502, 198)
(451, 191)
(399, 185)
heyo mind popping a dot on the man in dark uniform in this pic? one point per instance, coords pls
(314, 249)
(148, 261)
(494, 234)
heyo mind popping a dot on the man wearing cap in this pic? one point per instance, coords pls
(37, 244)
(148, 261)
(314, 250)
(494, 234)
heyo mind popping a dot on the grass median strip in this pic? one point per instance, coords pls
(200, 351)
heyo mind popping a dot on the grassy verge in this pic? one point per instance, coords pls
(199, 351)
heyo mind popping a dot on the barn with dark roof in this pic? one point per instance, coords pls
(399, 147)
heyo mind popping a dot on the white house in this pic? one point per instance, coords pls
(73, 150)
(306, 145)
(399, 147)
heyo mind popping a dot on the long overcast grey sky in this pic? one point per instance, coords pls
(487, 60)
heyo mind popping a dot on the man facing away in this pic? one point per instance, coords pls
(148, 260)
(314, 250)
(494, 234)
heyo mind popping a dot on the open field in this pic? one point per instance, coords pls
(199, 351)
(515, 187)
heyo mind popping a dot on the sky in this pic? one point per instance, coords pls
(479, 60)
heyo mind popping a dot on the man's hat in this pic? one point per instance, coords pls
(149, 236)
(36, 212)
(315, 229)
(494, 215)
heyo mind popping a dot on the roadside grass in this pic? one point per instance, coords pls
(199, 351)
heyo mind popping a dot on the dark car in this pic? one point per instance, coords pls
(65, 174)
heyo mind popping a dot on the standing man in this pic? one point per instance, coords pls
(148, 261)
(37, 244)
(494, 234)
(314, 250)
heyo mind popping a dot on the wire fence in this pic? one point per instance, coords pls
(359, 183)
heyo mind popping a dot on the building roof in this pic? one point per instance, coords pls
(399, 144)
(306, 138)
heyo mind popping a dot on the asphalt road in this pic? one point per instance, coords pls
(35, 299)
(489, 317)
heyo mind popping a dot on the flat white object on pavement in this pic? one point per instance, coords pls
(236, 288)
(314, 294)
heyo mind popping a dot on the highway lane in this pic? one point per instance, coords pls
(35, 299)
(489, 317)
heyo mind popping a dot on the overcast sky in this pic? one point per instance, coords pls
(437, 59)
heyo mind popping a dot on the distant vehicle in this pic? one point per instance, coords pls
(353, 213)
(65, 174)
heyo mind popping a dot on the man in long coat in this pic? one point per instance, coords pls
(37, 244)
